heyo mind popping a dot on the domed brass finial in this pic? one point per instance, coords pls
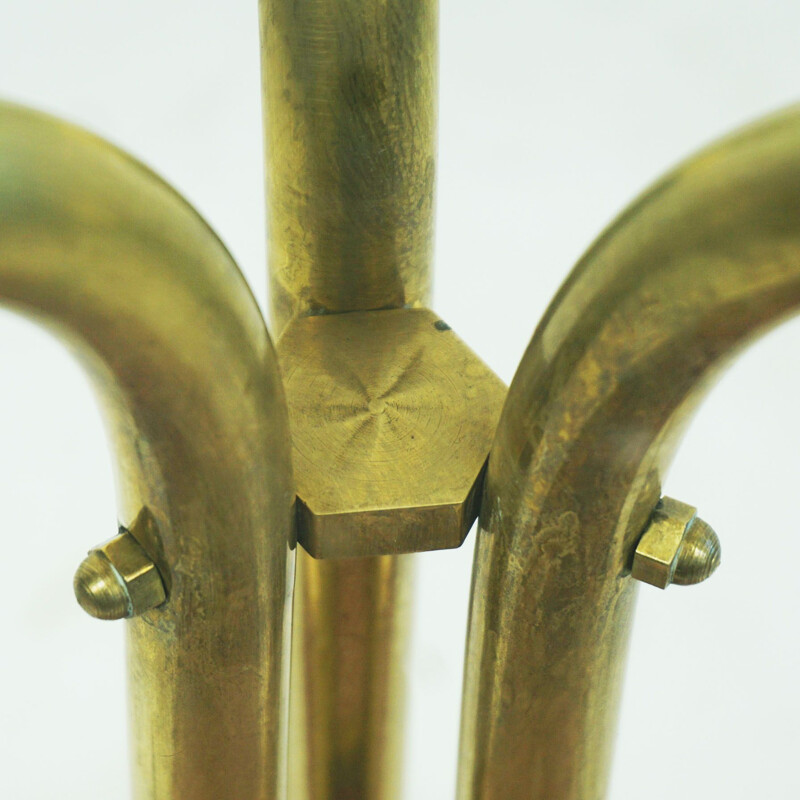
(118, 580)
(699, 556)
(677, 547)
(99, 590)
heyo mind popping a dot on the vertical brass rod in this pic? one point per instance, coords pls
(351, 630)
(350, 135)
(696, 269)
(93, 245)
(350, 138)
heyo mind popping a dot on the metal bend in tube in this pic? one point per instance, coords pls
(701, 265)
(97, 248)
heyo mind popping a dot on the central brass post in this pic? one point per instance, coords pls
(391, 415)
(350, 144)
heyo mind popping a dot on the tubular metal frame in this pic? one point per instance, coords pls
(215, 439)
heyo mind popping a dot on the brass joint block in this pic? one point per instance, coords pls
(392, 418)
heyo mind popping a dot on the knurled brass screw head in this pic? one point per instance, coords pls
(677, 547)
(118, 580)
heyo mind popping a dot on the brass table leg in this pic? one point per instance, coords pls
(131, 278)
(692, 272)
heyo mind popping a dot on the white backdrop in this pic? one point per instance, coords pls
(552, 117)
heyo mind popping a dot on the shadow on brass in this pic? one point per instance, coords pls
(696, 269)
(392, 420)
(130, 277)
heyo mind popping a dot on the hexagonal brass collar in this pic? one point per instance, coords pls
(392, 418)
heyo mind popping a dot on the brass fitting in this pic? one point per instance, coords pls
(392, 420)
(118, 580)
(677, 547)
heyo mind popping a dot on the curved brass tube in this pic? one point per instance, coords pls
(98, 249)
(693, 271)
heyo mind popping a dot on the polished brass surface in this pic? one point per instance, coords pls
(350, 132)
(676, 547)
(694, 270)
(350, 124)
(112, 260)
(119, 580)
(392, 418)
(350, 654)
(699, 556)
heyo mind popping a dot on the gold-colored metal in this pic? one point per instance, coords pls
(347, 720)
(350, 126)
(676, 547)
(699, 556)
(118, 580)
(697, 268)
(349, 105)
(392, 418)
(112, 260)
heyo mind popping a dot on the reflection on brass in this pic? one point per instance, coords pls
(346, 733)
(392, 419)
(118, 266)
(350, 124)
(677, 547)
(699, 555)
(697, 268)
(118, 580)
(349, 90)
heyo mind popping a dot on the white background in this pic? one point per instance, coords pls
(552, 117)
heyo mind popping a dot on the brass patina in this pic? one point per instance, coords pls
(145, 295)
(676, 547)
(349, 99)
(389, 421)
(392, 418)
(118, 580)
(697, 268)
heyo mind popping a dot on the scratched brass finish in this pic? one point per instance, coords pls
(392, 418)
(349, 100)
(350, 135)
(93, 245)
(698, 267)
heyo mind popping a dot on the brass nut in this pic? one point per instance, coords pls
(677, 547)
(118, 580)
(392, 419)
